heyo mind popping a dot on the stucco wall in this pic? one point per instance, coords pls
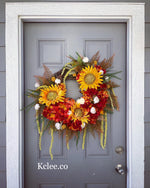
(3, 88)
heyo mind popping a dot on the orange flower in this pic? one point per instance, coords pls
(95, 62)
(53, 79)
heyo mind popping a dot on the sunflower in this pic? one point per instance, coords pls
(78, 113)
(52, 94)
(89, 77)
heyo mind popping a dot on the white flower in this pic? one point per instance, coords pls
(57, 81)
(107, 78)
(36, 84)
(96, 100)
(81, 100)
(93, 110)
(69, 112)
(83, 125)
(58, 126)
(37, 107)
(85, 59)
(101, 71)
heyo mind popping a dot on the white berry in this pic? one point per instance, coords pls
(96, 100)
(81, 100)
(57, 81)
(69, 112)
(58, 126)
(101, 71)
(37, 107)
(93, 110)
(85, 59)
(36, 85)
(107, 78)
(83, 125)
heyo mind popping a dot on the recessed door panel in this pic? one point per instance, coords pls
(97, 186)
(52, 186)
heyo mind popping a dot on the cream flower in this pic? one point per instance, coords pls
(85, 59)
(81, 100)
(69, 112)
(37, 107)
(83, 125)
(57, 81)
(107, 78)
(36, 85)
(102, 72)
(93, 110)
(58, 126)
(96, 100)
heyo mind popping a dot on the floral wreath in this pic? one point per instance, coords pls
(56, 112)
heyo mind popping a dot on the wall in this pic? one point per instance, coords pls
(3, 93)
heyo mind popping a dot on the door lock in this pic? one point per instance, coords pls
(120, 169)
(119, 149)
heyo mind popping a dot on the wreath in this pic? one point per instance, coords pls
(57, 113)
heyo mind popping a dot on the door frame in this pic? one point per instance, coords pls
(130, 13)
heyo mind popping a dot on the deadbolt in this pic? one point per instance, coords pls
(119, 149)
(120, 169)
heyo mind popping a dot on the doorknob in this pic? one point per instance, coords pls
(120, 169)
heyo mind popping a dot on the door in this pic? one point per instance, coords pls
(50, 43)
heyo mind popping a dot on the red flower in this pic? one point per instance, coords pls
(102, 87)
(98, 67)
(74, 125)
(89, 95)
(59, 111)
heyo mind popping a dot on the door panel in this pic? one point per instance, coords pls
(50, 43)
(97, 186)
(51, 186)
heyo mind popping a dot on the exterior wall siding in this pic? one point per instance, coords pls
(3, 87)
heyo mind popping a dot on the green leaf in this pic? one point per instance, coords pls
(47, 125)
(78, 54)
(116, 77)
(34, 91)
(72, 58)
(29, 106)
(79, 59)
(78, 138)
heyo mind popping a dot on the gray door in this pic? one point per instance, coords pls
(50, 43)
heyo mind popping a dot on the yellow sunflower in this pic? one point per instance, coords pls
(79, 113)
(52, 94)
(90, 78)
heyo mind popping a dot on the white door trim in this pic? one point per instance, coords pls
(133, 15)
